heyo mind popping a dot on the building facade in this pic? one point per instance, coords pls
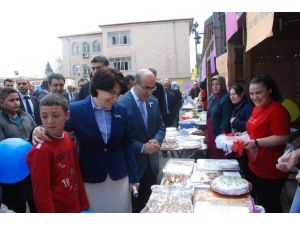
(163, 45)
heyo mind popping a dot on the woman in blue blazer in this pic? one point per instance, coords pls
(107, 161)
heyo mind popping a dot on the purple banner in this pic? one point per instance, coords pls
(203, 68)
(212, 63)
(231, 24)
(212, 57)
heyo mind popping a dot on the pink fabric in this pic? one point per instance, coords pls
(231, 24)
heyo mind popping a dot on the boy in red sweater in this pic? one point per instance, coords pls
(55, 174)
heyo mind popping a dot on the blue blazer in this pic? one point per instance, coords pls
(242, 113)
(141, 135)
(96, 158)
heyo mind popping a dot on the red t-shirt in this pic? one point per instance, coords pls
(55, 175)
(271, 119)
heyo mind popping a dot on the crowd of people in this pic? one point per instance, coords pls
(97, 149)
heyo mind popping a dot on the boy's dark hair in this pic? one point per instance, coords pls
(55, 99)
(101, 59)
(105, 79)
(56, 76)
(5, 92)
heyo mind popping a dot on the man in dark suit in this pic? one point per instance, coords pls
(28, 103)
(175, 89)
(148, 132)
(97, 62)
(171, 113)
(159, 93)
(70, 94)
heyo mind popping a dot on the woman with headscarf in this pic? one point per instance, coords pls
(218, 116)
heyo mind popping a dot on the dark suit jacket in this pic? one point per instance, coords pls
(159, 94)
(66, 95)
(141, 135)
(96, 158)
(169, 119)
(84, 91)
(36, 108)
(41, 95)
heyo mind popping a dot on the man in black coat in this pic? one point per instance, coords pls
(159, 93)
(28, 103)
(97, 62)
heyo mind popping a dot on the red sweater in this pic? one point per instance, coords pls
(55, 175)
(271, 119)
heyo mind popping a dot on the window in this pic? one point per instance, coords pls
(85, 47)
(86, 70)
(122, 63)
(75, 49)
(76, 70)
(118, 38)
(96, 46)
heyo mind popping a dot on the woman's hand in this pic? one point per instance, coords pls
(250, 145)
(39, 135)
(134, 188)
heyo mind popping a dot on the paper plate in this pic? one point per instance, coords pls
(190, 144)
(227, 164)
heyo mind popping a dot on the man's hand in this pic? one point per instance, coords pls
(151, 147)
(39, 135)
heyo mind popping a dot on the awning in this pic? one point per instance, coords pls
(222, 65)
(259, 27)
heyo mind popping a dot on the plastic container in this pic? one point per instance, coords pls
(179, 166)
(187, 125)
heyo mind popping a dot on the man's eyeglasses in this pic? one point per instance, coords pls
(148, 88)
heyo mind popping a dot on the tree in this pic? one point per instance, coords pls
(48, 69)
(59, 65)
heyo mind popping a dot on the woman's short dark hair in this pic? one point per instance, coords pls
(105, 79)
(239, 90)
(5, 92)
(270, 84)
(55, 99)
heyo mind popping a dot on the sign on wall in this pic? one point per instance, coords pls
(259, 27)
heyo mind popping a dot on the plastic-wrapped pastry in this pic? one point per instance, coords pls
(173, 199)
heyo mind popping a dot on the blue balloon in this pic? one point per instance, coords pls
(13, 166)
(88, 211)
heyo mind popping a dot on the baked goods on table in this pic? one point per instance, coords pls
(173, 179)
(169, 200)
(230, 185)
(204, 200)
(203, 179)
